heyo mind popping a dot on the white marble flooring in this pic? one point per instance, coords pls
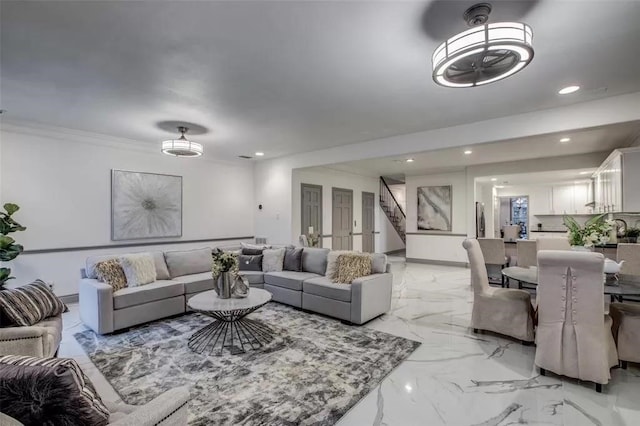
(455, 377)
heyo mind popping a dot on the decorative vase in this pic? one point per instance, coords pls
(240, 287)
(224, 285)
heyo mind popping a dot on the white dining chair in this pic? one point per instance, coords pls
(574, 335)
(527, 253)
(630, 253)
(501, 310)
(511, 232)
(495, 257)
(553, 243)
(626, 331)
(303, 240)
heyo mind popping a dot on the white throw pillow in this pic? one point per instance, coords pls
(139, 269)
(272, 260)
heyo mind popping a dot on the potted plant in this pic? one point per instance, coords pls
(9, 250)
(225, 272)
(632, 235)
(594, 232)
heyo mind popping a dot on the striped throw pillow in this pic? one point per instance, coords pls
(30, 304)
(79, 402)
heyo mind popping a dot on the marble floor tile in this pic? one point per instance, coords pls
(456, 377)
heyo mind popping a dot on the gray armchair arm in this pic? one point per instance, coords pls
(170, 408)
(23, 341)
(96, 305)
(370, 297)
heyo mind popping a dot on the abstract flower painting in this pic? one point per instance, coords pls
(145, 205)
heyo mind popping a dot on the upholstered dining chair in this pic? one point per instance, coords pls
(304, 241)
(501, 310)
(626, 331)
(574, 335)
(511, 232)
(527, 253)
(495, 256)
(630, 253)
(553, 243)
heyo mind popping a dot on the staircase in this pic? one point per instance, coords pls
(393, 210)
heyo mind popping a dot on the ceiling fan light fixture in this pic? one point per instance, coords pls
(483, 54)
(182, 147)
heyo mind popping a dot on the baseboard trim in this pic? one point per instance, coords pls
(69, 298)
(392, 252)
(438, 262)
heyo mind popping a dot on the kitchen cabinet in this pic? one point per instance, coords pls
(617, 182)
(570, 199)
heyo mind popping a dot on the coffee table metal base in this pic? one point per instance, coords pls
(231, 330)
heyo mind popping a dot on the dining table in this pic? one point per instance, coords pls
(616, 287)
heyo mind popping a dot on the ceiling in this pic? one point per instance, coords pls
(596, 139)
(287, 77)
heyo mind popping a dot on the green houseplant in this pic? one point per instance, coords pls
(595, 231)
(9, 250)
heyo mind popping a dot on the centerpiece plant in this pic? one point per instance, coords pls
(224, 262)
(595, 231)
(9, 250)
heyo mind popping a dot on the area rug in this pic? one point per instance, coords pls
(310, 374)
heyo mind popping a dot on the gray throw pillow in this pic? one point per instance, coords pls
(252, 251)
(293, 259)
(272, 260)
(250, 263)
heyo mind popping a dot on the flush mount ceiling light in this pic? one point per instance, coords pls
(182, 147)
(569, 89)
(483, 54)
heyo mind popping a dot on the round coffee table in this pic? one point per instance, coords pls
(230, 329)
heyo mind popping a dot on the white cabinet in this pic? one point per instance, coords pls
(570, 199)
(617, 183)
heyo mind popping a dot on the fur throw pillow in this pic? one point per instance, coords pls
(110, 272)
(272, 260)
(352, 266)
(139, 269)
(332, 262)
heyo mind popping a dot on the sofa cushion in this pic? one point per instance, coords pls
(30, 304)
(272, 260)
(195, 283)
(139, 269)
(293, 259)
(48, 391)
(188, 262)
(132, 296)
(322, 286)
(254, 277)
(352, 266)
(378, 263)
(250, 263)
(110, 272)
(158, 258)
(314, 260)
(288, 279)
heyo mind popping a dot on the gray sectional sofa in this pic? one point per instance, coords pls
(183, 274)
(357, 303)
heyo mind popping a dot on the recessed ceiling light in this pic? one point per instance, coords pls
(585, 173)
(467, 152)
(494, 179)
(499, 186)
(565, 140)
(568, 89)
(409, 160)
(259, 154)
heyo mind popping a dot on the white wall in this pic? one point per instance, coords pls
(434, 245)
(62, 183)
(328, 179)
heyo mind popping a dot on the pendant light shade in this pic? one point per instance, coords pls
(484, 53)
(182, 147)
